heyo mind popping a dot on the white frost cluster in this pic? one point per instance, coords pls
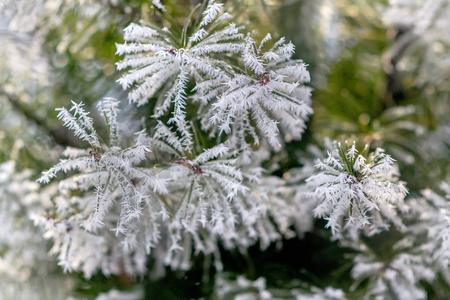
(242, 288)
(135, 293)
(315, 293)
(430, 216)
(23, 249)
(357, 188)
(398, 277)
(439, 227)
(397, 264)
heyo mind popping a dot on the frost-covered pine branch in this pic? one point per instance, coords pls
(396, 278)
(255, 96)
(108, 168)
(24, 251)
(356, 186)
(158, 196)
(269, 95)
(165, 189)
(162, 64)
(439, 233)
(219, 203)
(159, 59)
(429, 216)
(396, 260)
(394, 264)
(110, 198)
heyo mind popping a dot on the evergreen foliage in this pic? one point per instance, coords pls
(175, 149)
